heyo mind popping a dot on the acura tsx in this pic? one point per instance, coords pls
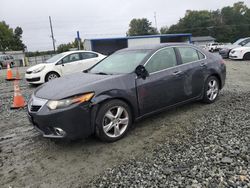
(126, 86)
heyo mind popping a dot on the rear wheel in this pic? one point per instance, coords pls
(211, 90)
(51, 76)
(246, 56)
(113, 120)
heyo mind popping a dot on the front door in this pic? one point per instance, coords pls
(71, 64)
(164, 85)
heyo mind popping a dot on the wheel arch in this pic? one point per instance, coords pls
(244, 56)
(51, 71)
(110, 98)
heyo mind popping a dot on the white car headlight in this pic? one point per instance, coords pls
(53, 105)
(39, 69)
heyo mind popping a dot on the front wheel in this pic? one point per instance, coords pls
(113, 120)
(211, 90)
(246, 56)
(51, 76)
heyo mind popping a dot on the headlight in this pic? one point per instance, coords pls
(53, 105)
(38, 69)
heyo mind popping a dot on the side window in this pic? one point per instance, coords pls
(71, 58)
(201, 55)
(188, 54)
(163, 59)
(88, 55)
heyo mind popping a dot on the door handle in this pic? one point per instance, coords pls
(177, 73)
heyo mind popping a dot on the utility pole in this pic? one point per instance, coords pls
(155, 21)
(52, 34)
(78, 40)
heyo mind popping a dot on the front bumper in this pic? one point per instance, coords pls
(234, 57)
(72, 122)
(34, 78)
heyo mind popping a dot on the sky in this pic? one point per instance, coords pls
(93, 18)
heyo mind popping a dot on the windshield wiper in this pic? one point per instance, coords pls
(102, 73)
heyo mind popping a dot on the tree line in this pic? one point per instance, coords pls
(226, 25)
(10, 39)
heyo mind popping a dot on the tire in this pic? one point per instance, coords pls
(1, 66)
(51, 76)
(111, 124)
(246, 56)
(211, 90)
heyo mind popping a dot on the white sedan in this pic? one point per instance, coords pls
(240, 52)
(62, 64)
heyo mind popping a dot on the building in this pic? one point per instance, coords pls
(109, 45)
(17, 55)
(203, 40)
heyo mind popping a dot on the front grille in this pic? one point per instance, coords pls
(28, 72)
(35, 108)
(33, 79)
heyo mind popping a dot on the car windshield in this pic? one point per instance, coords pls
(55, 58)
(238, 42)
(120, 62)
(247, 45)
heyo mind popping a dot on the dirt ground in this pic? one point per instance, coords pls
(29, 160)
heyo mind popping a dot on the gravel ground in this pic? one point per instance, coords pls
(195, 145)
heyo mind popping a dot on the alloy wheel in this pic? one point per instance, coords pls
(213, 90)
(52, 77)
(115, 121)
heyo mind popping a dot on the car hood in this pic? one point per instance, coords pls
(78, 83)
(242, 48)
(230, 46)
(36, 67)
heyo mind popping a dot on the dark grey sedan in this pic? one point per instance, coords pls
(125, 87)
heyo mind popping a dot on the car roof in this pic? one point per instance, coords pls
(77, 51)
(154, 47)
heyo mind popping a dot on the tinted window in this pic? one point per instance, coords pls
(71, 58)
(188, 54)
(162, 60)
(88, 55)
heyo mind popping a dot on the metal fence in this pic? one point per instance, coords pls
(38, 59)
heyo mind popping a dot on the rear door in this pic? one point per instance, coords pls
(88, 59)
(71, 64)
(193, 66)
(163, 87)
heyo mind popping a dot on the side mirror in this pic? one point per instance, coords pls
(141, 72)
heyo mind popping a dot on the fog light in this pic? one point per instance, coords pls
(59, 132)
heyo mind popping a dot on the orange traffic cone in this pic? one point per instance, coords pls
(9, 75)
(17, 75)
(19, 101)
